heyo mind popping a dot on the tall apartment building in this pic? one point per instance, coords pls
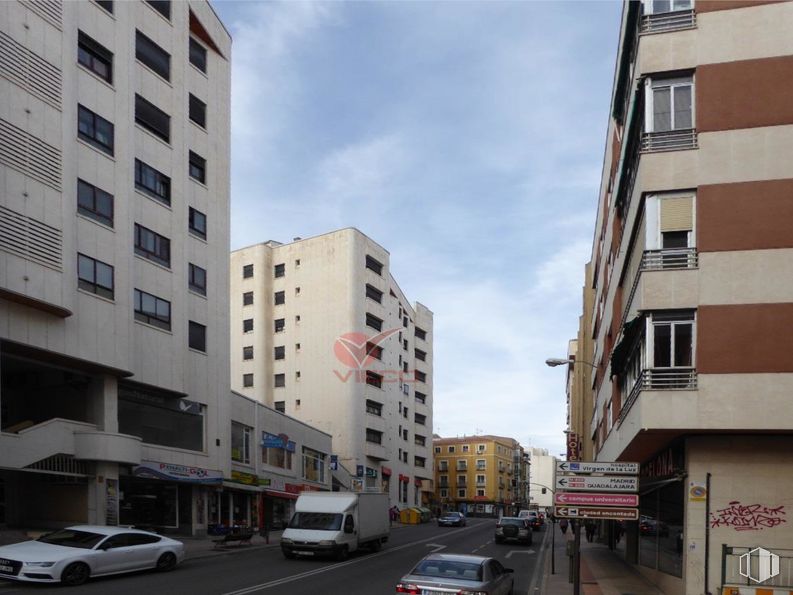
(114, 236)
(692, 273)
(481, 475)
(321, 331)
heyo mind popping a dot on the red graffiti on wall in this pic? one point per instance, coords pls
(748, 517)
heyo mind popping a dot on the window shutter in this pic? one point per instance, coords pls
(677, 214)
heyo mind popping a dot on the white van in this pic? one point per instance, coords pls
(336, 523)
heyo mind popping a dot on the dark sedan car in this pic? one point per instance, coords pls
(452, 519)
(444, 574)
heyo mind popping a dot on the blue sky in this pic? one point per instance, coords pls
(467, 139)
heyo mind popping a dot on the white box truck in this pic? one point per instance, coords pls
(336, 524)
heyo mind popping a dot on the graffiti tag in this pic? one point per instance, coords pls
(748, 517)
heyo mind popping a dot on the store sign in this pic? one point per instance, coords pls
(667, 464)
(246, 478)
(155, 470)
(277, 441)
(371, 472)
(619, 514)
(573, 447)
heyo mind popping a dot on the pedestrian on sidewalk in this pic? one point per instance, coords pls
(590, 528)
(563, 526)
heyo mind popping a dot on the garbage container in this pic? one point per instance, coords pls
(425, 514)
(410, 516)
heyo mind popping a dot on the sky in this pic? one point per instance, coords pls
(467, 139)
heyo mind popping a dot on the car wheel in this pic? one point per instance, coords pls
(75, 574)
(343, 553)
(166, 562)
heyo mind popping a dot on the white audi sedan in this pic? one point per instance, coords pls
(74, 554)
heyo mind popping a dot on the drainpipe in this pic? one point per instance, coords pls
(707, 533)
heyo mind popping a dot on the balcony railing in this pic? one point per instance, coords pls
(677, 258)
(668, 21)
(671, 140)
(659, 379)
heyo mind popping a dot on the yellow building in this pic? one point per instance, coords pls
(481, 475)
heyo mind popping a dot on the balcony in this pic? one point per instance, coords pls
(659, 379)
(678, 258)
(104, 446)
(665, 279)
(668, 21)
(671, 140)
(375, 451)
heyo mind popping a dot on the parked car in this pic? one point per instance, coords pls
(648, 526)
(536, 519)
(512, 528)
(458, 573)
(74, 554)
(452, 519)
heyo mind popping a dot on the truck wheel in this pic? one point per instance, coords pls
(376, 545)
(343, 553)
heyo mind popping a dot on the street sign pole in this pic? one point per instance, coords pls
(577, 560)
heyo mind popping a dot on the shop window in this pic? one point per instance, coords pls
(241, 443)
(313, 465)
(275, 453)
(661, 529)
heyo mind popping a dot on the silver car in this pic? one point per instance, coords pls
(72, 555)
(442, 574)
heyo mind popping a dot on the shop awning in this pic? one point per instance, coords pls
(631, 331)
(277, 494)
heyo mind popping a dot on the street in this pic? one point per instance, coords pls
(265, 570)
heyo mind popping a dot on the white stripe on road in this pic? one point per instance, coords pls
(308, 573)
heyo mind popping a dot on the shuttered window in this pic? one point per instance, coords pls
(677, 214)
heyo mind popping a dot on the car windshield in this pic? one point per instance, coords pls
(506, 521)
(322, 521)
(454, 570)
(452, 515)
(73, 538)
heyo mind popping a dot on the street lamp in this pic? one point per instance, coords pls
(555, 361)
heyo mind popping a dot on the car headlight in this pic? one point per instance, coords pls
(286, 541)
(40, 564)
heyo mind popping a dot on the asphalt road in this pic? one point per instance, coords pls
(265, 571)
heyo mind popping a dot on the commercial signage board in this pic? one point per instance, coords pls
(590, 483)
(588, 499)
(579, 512)
(611, 468)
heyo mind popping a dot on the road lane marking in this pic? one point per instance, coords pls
(330, 567)
(519, 552)
(438, 547)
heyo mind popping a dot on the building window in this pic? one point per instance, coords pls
(374, 294)
(437, 450)
(419, 440)
(198, 111)
(279, 352)
(420, 355)
(421, 376)
(444, 493)
(374, 436)
(152, 310)
(198, 336)
(420, 419)
(672, 340)
(152, 118)
(197, 278)
(419, 461)
(420, 333)
(247, 298)
(197, 167)
(152, 246)
(375, 351)
(462, 480)
(421, 397)
(279, 298)
(106, 4)
(153, 183)
(95, 57)
(279, 324)
(461, 493)
(660, 6)
(241, 443)
(443, 466)
(452, 449)
(670, 104)
(197, 223)
(480, 480)
(279, 380)
(374, 265)
(374, 408)
(247, 352)
(404, 434)
(161, 6)
(152, 55)
(247, 325)
(94, 130)
(247, 271)
(466, 448)
(374, 322)
(94, 203)
(95, 276)
(374, 379)
(198, 55)
(279, 270)
(480, 492)
(280, 406)
(313, 465)
(275, 451)
(247, 380)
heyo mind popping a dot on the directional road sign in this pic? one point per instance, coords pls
(590, 483)
(580, 512)
(587, 499)
(616, 468)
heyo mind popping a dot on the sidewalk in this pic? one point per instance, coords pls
(603, 572)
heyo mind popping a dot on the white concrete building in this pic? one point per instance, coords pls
(541, 477)
(114, 235)
(320, 330)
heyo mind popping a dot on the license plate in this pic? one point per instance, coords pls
(6, 569)
(306, 553)
(431, 592)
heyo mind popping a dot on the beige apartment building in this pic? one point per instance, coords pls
(481, 475)
(114, 235)
(692, 281)
(321, 331)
